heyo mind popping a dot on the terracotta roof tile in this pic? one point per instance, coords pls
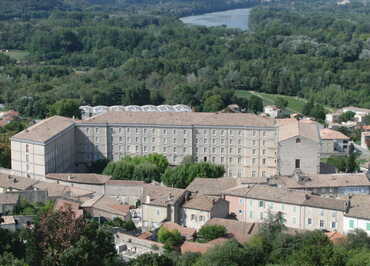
(183, 118)
(45, 129)
(327, 133)
(83, 178)
(291, 127)
(184, 231)
(211, 186)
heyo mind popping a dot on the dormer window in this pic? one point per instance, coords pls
(298, 140)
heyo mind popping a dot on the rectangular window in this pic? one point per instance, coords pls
(333, 225)
(321, 223)
(261, 215)
(309, 221)
(250, 214)
(297, 163)
(222, 159)
(174, 141)
(368, 226)
(351, 224)
(261, 204)
(294, 220)
(263, 161)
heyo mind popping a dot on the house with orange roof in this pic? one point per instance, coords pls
(333, 142)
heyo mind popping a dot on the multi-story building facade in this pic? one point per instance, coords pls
(244, 143)
(304, 211)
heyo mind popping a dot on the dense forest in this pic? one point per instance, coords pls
(317, 50)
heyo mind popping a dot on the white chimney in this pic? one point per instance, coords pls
(147, 199)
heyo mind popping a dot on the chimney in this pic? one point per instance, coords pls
(307, 196)
(147, 199)
(15, 180)
(69, 177)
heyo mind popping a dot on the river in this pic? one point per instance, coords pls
(235, 18)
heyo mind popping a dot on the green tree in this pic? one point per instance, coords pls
(182, 175)
(210, 232)
(346, 116)
(170, 239)
(5, 156)
(7, 259)
(66, 107)
(255, 104)
(151, 259)
(281, 102)
(213, 104)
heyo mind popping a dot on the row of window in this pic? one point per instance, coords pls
(222, 132)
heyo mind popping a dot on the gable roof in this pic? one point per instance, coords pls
(83, 178)
(16, 182)
(211, 186)
(241, 231)
(327, 133)
(45, 129)
(111, 205)
(290, 127)
(200, 202)
(202, 248)
(56, 190)
(182, 118)
(325, 180)
(160, 195)
(283, 195)
(359, 207)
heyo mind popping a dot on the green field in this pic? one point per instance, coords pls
(295, 104)
(17, 54)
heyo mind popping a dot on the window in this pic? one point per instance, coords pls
(174, 149)
(254, 133)
(263, 173)
(97, 139)
(97, 130)
(261, 215)
(282, 206)
(145, 148)
(298, 140)
(294, 220)
(261, 204)
(184, 141)
(333, 225)
(205, 158)
(294, 208)
(153, 139)
(164, 149)
(241, 201)
(309, 221)
(240, 132)
(239, 151)
(222, 159)
(137, 131)
(153, 148)
(222, 132)
(254, 151)
(201, 218)
(144, 139)
(205, 140)
(158, 212)
(144, 130)
(253, 173)
(184, 150)
(192, 217)
(240, 211)
(231, 150)
(213, 159)
(263, 161)
(204, 149)
(254, 160)
(351, 224)
(368, 226)
(214, 150)
(214, 132)
(230, 160)
(250, 214)
(174, 141)
(120, 139)
(222, 141)
(213, 141)
(263, 152)
(264, 133)
(222, 150)
(254, 143)
(27, 148)
(297, 163)
(321, 223)
(239, 141)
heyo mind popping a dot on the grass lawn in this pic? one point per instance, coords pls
(17, 54)
(295, 104)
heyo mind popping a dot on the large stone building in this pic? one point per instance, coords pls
(299, 147)
(244, 143)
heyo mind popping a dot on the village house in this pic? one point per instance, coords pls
(358, 215)
(92, 182)
(8, 201)
(211, 186)
(8, 223)
(198, 209)
(56, 191)
(301, 210)
(10, 183)
(107, 207)
(360, 113)
(196, 247)
(333, 143)
(161, 204)
(65, 205)
(127, 191)
(326, 184)
(130, 247)
(240, 231)
(299, 146)
(272, 110)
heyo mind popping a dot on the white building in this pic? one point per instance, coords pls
(358, 216)
(272, 110)
(333, 143)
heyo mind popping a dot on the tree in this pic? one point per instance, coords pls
(5, 156)
(255, 104)
(346, 116)
(170, 239)
(151, 259)
(281, 102)
(66, 107)
(7, 259)
(210, 232)
(118, 222)
(366, 120)
(213, 104)
(182, 175)
(231, 253)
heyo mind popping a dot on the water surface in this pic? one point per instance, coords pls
(235, 18)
